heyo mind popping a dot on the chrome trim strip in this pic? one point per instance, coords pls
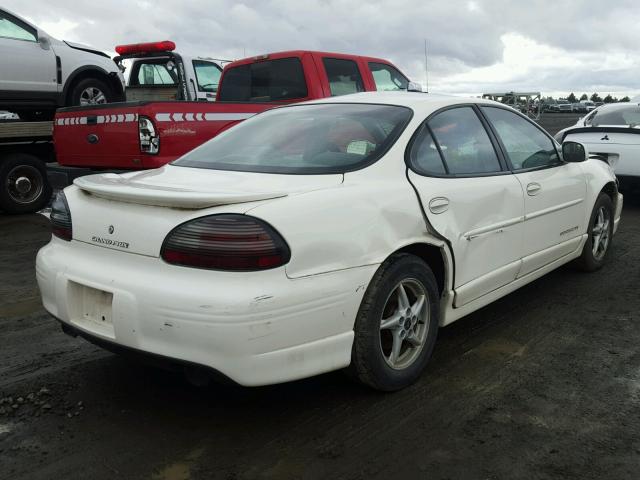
(495, 228)
(555, 208)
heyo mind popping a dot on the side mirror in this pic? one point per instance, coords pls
(573, 152)
(414, 87)
(44, 42)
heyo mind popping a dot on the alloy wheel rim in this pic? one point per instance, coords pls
(404, 324)
(600, 234)
(24, 184)
(92, 96)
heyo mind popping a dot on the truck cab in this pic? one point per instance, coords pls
(155, 72)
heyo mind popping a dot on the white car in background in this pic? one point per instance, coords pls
(314, 237)
(40, 73)
(7, 116)
(611, 133)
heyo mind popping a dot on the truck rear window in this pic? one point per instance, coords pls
(304, 139)
(265, 81)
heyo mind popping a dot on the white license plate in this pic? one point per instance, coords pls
(91, 309)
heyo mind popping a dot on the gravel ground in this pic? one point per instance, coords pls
(542, 384)
(554, 122)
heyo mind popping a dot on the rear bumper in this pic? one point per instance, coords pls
(254, 328)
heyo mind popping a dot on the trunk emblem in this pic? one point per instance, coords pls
(111, 229)
(93, 138)
(606, 137)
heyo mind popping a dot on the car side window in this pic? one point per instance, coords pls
(343, 75)
(207, 75)
(526, 145)
(10, 28)
(464, 142)
(424, 156)
(387, 78)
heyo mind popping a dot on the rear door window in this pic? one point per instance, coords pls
(464, 142)
(387, 78)
(343, 76)
(424, 156)
(264, 81)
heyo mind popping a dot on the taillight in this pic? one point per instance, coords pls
(60, 217)
(149, 140)
(226, 242)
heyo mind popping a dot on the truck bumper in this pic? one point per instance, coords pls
(60, 176)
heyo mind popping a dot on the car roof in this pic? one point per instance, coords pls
(414, 100)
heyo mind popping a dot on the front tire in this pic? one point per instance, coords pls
(597, 246)
(91, 91)
(397, 324)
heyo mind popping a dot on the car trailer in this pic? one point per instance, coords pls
(25, 150)
(527, 103)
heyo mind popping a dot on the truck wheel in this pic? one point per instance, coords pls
(91, 91)
(24, 185)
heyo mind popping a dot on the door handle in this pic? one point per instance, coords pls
(533, 188)
(439, 205)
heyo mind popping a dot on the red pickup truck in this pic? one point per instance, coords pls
(148, 134)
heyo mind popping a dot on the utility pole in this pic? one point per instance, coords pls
(426, 65)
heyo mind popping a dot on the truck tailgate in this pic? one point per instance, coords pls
(107, 136)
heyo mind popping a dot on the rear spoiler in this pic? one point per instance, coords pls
(634, 130)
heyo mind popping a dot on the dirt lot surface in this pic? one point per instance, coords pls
(542, 384)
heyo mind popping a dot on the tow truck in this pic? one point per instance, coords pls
(157, 72)
(160, 122)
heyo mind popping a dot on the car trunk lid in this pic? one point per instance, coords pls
(134, 212)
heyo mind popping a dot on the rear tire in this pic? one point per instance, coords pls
(388, 316)
(600, 231)
(91, 91)
(24, 187)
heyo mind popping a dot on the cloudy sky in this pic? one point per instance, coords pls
(474, 46)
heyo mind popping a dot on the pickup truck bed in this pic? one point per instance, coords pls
(109, 135)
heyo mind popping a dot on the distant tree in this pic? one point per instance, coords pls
(596, 98)
(625, 99)
(572, 98)
(584, 97)
(609, 99)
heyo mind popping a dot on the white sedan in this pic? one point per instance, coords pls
(310, 238)
(611, 133)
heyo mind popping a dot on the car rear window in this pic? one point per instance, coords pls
(628, 115)
(304, 139)
(264, 81)
(154, 72)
